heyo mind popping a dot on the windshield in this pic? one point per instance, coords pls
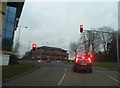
(46, 42)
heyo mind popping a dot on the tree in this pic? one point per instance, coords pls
(94, 42)
(16, 47)
(94, 39)
(112, 54)
(90, 41)
(73, 49)
(13, 60)
(106, 37)
(112, 51)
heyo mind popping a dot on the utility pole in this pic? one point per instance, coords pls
(117, 41)
(18, 41)
(28, 46)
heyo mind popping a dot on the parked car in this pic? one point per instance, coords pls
(48, 60)
(58, 61)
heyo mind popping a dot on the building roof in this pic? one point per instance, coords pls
(51, 48)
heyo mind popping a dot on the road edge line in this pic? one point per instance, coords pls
(62, 77)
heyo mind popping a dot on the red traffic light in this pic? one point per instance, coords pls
(34, 45)
(81, 26)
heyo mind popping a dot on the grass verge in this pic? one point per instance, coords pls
(13, 70)
(68, 62)
(105, 64)
(100, 64)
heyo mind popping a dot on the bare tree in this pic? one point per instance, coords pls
(86, 41)
(16, 48)
(83, 45)
(106, 37)
(73, 49)
(92, 41)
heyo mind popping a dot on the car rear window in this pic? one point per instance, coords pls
(80, 59)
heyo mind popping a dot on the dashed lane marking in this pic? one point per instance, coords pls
(62, 77)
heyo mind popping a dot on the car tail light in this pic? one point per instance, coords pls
(89, 59)
(77, 59)
(91, 55)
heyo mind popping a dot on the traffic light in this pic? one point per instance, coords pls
(81, 28)
(34, 47)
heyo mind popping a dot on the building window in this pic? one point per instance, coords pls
(9, 35)
(12, 10)
(11, 17)
(8, 28)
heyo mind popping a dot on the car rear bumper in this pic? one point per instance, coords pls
(82, 67)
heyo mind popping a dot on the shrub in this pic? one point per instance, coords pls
(27, 58)
(13, 60)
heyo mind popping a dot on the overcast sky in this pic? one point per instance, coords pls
(58, 22)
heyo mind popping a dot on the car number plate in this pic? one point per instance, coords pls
(83, 63)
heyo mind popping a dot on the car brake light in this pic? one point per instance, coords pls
(83, 57)
(89, 59)
(91, 55)
(77, 59)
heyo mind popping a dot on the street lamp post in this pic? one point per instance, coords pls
(18, 42)
(19, 32)
(28, 46)
(44, 42)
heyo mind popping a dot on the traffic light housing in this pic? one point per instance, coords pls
(81, 28)
(34, 47)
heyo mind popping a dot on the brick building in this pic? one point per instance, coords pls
(51, 53)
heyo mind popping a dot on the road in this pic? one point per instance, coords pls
(59, 74)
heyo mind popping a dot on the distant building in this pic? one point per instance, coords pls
(9, 17)
(52, 53)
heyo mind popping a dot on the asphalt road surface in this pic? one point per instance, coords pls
(59, 74)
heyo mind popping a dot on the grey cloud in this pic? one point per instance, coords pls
(58, 23)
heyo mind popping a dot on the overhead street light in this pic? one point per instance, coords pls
(19, 36)
(19, 31)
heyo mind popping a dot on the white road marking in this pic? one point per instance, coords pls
(109, 76)
(113, 78)
(62, 77)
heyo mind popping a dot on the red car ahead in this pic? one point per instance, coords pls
(82, 63)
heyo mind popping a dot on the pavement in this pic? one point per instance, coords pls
(59, 74)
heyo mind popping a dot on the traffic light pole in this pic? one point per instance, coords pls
(117, 45)
(117, 41)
